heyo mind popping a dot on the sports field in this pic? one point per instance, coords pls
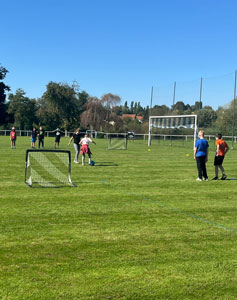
(137, 226)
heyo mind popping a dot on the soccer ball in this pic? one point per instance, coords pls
(92, 163)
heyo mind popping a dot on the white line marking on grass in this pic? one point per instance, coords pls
(201, 219)
(193, 216)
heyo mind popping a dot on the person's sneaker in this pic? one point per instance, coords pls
(215, 178)
(206, 179)
(76, 162)
(223, 177)
(198, 179)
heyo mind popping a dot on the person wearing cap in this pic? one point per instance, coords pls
(58, 133)
(13, 138)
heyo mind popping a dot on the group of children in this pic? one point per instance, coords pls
(40, 134)
(82, 141)
(201, 156)
(36, 134)
(79, 141)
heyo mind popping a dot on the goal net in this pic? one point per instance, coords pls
(118, 142)
(173, 122)
(48, 168)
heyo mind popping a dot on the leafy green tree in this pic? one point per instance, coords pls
(3, 89)
(179, 108)
(197, 106)
(61, 106)
(225, 120)
(206, 117)
(139, 109)
(118, 110)
(160, 110)
(83, 98)
(23, 109)
(126, 108)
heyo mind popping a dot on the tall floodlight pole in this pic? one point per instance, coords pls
(200, 97)
(151, 99)
(174, 94)
(233, 121)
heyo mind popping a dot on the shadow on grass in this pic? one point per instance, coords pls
(51, 185)
(105, 164)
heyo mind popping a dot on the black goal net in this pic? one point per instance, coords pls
(48, 168)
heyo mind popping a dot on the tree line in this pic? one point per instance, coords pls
(67, 107)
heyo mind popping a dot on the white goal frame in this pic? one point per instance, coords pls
(174, 126)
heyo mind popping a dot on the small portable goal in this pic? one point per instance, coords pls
(48, 168)
(118, 142)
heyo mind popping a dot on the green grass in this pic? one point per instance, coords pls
(137, 226)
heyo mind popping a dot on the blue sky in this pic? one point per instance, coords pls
(122, 47)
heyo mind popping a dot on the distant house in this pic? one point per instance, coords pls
(132, 116)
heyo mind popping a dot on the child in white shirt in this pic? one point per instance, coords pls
(85, 148)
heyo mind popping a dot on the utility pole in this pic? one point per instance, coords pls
(151, 99)
(233, 121)
(174, 94)
(200, 98)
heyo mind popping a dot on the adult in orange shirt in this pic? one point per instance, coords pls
(221, 150)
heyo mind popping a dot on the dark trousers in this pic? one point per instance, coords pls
(201, 165)
(41, 142)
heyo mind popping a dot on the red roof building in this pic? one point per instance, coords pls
(132, 116)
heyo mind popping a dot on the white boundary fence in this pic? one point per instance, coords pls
(139, 136)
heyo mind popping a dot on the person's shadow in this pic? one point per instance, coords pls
(105, 164)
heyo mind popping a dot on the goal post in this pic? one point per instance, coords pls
(118, 141)
(173, 122)
(48, 168)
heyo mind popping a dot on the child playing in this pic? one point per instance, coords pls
(41, 137)
(85, 148)
(13, 138)
(33, 137)
(201, 156)
(221, 150)
(58, 133)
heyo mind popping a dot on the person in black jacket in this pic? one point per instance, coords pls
(76, 143)
(41, 137)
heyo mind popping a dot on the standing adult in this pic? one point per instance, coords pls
(41, 137)
(76, 137)
(13, 138)
(201, 156)
(33, 137)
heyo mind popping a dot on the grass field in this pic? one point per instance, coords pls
(137, 226)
